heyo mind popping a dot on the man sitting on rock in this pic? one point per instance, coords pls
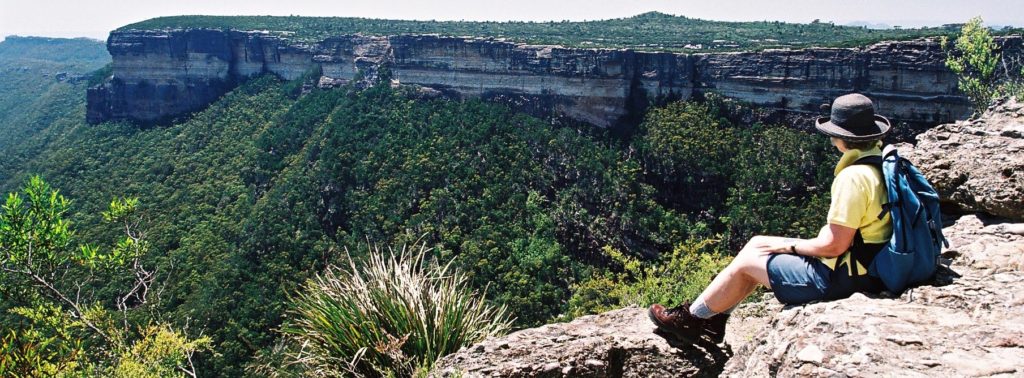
(831, 266)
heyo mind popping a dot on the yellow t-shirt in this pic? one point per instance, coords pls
(858, 193)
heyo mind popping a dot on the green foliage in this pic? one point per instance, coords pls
(741, 180)
(35, 107)
(510, 199)
(780, 185)
(60, 329)
(53, 346)
(158, 352)
(100, 76)
(35, 252)
(34, 236)
(648, 31)
(50, 345)
(674, 278)
(395, 315)
(977, 60)
(689, 148)
(974, 58)
(249, 199)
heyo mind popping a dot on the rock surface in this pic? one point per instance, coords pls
(158, 74)
(977, 165)
(970, 322)
(619, 343)
(971, 325)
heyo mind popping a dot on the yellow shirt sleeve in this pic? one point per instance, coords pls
(849, 201)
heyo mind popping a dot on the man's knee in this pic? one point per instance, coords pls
(752, 244)
(742, 263)
(757, 240)
(754, 268)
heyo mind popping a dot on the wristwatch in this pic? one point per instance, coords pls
(792, 248)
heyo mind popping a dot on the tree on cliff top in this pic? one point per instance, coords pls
(975, 58)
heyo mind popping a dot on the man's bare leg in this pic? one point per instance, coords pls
(740, 277)
(728, 289)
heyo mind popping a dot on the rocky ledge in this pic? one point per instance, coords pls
(968, 322)
(619, 343)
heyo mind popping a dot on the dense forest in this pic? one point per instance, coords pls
(247, 201)
(648, 31)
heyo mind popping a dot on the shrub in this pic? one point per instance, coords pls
(393, 316)
(57, 326)
(160, 351)
(976, 59)
(674, 278)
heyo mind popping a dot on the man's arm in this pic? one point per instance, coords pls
(832, 241)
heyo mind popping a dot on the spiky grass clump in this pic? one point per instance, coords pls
(395, 315)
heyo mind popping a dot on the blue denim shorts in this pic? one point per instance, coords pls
(801, 279)
(798, 279)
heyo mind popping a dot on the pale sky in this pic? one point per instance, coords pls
(95, 18)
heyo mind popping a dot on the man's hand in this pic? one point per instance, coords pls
(774, 244)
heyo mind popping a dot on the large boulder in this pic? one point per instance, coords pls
(977, 165)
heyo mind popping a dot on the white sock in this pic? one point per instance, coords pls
(700, 309)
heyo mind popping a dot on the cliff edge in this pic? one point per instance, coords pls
(968, 322)
(163, 74)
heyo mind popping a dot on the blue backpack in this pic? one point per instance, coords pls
(912, 254)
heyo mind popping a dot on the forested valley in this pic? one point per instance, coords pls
(234, 209)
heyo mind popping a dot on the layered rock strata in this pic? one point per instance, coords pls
(159, 74)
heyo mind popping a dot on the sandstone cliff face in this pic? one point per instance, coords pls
(907, 80)
(161, 74)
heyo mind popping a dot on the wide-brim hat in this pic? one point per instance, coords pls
(853, 119)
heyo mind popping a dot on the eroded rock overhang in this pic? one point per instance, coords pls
(163, 74)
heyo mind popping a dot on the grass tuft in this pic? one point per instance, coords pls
(394, 315)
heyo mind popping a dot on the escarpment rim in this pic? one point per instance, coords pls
(167, 73)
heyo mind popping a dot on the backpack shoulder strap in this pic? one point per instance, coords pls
(870, 160)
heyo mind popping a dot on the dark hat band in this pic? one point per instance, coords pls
(860, 123)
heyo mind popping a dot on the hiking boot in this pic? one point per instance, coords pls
(714, 327)
(677, 321)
